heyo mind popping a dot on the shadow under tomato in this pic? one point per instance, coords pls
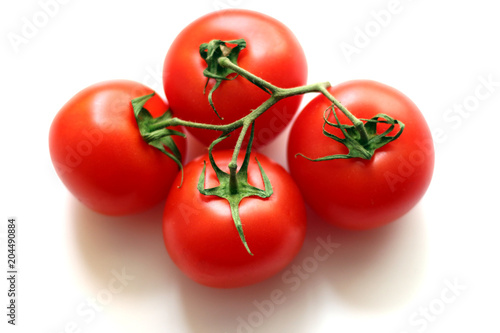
(376, 270)
(269, 306)
(283, 303)
(131, 245)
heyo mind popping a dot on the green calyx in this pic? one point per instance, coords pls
(211, 52)
(159, 138)
(361, 145)
(234, 186)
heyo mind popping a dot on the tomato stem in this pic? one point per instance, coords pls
(276, 94)
(233, 166)
(261, 83)
(358, 124)
(234, 187)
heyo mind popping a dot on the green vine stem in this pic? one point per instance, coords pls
(276, 94)
(234, 187)
(358, 124)
(361, 138)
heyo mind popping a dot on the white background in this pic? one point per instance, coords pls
(439, 53)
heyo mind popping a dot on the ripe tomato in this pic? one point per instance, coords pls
(100, 156)
(272, 53)
(357, 193)
(202, 239)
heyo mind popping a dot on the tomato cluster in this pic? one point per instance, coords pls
(111, 148)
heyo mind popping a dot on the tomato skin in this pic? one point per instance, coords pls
(201, 237)
(355, 193)
(282, 64)
(100, 156)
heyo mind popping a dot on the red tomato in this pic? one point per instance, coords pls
(202, 239)
(272, 53)
(100, 156)
(357, 193)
